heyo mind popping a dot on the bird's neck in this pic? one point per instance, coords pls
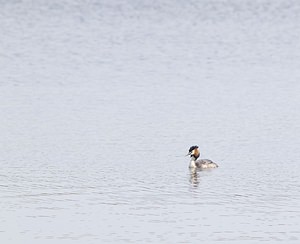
(194, 158)
(193, 162)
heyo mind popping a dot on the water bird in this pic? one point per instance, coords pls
(196, 163)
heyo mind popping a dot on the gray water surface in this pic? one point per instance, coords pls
(100, 101)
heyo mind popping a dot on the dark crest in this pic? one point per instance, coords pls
(192, 148)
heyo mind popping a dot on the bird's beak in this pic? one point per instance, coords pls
(188, 154)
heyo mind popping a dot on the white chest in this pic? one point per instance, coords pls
(193, 164)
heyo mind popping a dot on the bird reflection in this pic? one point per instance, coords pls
(194, 177)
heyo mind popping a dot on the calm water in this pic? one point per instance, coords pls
(100, 101)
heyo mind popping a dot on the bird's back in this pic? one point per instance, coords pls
(205, 164)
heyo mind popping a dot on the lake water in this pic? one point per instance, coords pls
(100, 101)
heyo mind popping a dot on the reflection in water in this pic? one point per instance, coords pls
(194, 177)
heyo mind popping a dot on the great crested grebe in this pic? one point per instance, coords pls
(194, 153)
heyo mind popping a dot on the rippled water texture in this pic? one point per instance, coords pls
(100, 101)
